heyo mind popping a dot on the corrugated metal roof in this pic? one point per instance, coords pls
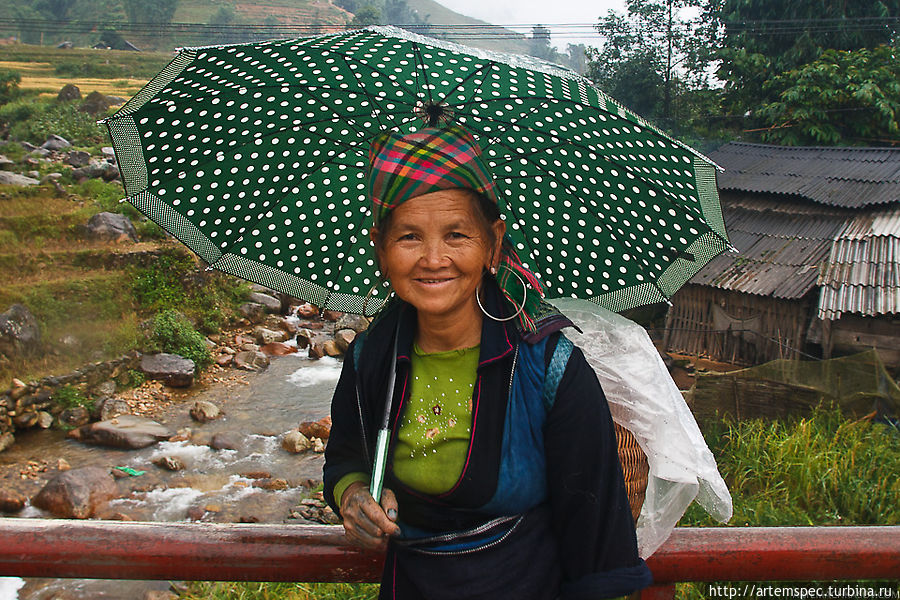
(863, 273)
(845, 177)
(782, 248)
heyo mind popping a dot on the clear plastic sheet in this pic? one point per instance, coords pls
(644, 399)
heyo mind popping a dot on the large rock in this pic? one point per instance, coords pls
(267, 336)
(19, 331)
(7, 178)
(127, 431)
(357, 323)
(55, 142)
(6, 164)
(171, 369)
(11, 501)
(77, 494)
(75, 416)
(251, 360)
(272, 304)
(225, 440)
(295, 442)
(253, 311)
(203, 411)
(111, 227)
(95, 103)
(316, 429)
(69, 92)
(344, 338)
(6, 440)
(96, 170)
(113, 407)
(78, 158)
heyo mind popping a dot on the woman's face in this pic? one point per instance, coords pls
(435, 250)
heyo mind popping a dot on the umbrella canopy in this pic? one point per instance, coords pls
(255, 157)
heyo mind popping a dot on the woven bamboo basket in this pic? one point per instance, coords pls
(635, 468)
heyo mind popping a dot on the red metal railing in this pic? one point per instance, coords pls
(257, 552)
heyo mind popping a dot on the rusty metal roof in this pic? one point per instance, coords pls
(863, 272)
(782, 245)
(843, 177)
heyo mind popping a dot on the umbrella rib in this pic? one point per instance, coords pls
(421, 62)
(361, 133)
(375, 112)
(488, 65)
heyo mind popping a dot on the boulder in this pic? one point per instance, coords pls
(6, 164)
(253, 311)
(316, 429)
(171, 369)
(11, 501)
(7, 178)
(203, 411)
(55, 142)
(6, 440)
(108, 152)
(96, 170)
(127, 431)
(19, 331)
(78, 158)
(273, 484)
(224, 441)
(272, 304)
(267, 336)
(316, 350)
(223, 360)
(77, 493)
(44, 419)
(332, 349)
(113, 407)
(307, 311)
(344, 338)
(295, 442)
(69, 92)
(251, 360)
(75, 416)
(357, 323)
(172, 463)
(95, 103)
(304, 337)
(278, 349)
(111, 227)
(332, 315)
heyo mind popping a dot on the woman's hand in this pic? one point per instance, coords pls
(366, 523)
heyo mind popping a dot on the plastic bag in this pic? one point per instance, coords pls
(643, 398)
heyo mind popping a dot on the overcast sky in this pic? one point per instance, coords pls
(545, 12)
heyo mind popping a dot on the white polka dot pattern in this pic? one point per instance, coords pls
(255, 156)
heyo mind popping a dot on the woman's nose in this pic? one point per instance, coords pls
(434, 254)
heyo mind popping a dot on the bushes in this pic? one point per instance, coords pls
(59, 118)
(75, 68)
(173, 333)
(9, 85)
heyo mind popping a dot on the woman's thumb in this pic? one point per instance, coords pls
(389, 504)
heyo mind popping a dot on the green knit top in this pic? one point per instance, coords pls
(434, 430)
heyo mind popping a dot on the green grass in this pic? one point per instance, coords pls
(281, 591)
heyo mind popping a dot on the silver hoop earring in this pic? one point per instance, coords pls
(518, 312)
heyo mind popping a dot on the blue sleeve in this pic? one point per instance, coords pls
(591, 516)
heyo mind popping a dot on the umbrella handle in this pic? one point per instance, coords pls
(381, 451)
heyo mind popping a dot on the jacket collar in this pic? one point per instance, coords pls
(498, 339)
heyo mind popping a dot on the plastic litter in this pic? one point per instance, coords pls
(644, 399)
(130, 471)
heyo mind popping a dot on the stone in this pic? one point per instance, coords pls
(7, 178)
(251, 360)
(224, 441)
(127, 431)
(288, 326)
(95, 103)
(171, 369)
(319, 429)
(250, 347)
(357, 323)
(96, 170)
(344, 338)
(316, 351)
(11, 501)
(105, 388)
(295, 442)
(272, 304)
(172, 463)
(111, 227)
(78, 158)
(77, 493)
(265, 336)
(76, 416)
(18, 389)
(19, 332)
(203, 411)
(332, 315)
(44, 419)
(160, 595)
(69, 92)
(113, 407)
(274, 484)
(55, 142)
(332, 349)
(307, 311)
(256, 475)
(278, 349)
(318, 446)
(6, 440)
(253, 311)
(51, 178)
(25, 420)
(63, 465)
(304, 337)
(108, 152)
(223, 360)
(6, 164)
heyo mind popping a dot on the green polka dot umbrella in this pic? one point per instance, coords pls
(254, 156)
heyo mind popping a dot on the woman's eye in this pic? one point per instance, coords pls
(458, 235)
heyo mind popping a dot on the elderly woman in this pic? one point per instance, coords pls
(503, 479)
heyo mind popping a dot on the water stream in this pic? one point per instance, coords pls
(215, 485)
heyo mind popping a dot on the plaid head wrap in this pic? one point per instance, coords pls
(402, 167)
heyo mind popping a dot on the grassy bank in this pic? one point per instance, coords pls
(814, 471)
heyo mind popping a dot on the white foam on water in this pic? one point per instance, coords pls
(324, 370)
(195, 457)
(170, 504)
(10, 586)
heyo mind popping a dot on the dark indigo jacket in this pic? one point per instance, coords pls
(584, 489)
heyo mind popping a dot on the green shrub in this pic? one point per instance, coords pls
(76, 68)
(69, 396)
(9, 84)
(173, 333)
(63, 119)
(20, 110)
(157, 287)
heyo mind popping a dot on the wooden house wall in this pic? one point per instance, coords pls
(776, 329)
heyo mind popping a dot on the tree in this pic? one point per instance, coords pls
(842, 98)
(366, 15)
(761, 39)
(150, 12)
(539, 44)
